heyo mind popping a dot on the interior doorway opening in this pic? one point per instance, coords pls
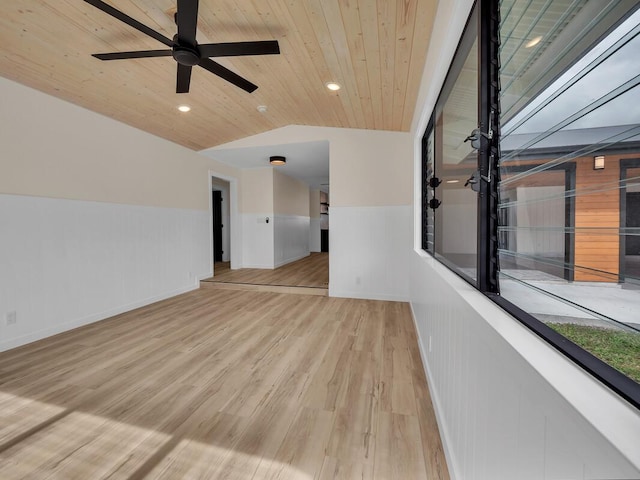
(221, 217)
(225, 241)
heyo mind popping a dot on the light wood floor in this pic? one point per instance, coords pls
(311, 271)
(224, 384)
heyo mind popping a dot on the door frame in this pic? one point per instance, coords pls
(625, 164)
(235, 235)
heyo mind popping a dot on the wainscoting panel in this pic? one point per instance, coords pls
(509, 406)
(257, 240)
(314, 235)
(291, 238)
(369, 249)
(66, 263)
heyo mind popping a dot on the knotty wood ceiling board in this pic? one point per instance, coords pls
(375, 49)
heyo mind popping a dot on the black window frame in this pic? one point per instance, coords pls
(487, 279)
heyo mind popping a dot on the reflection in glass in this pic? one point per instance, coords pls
(569, 233)
(456, 218)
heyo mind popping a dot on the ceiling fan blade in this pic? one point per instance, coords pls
(123, 17)
(183, 78)
(236, 49)
(138, 54)
(187, 19)
(227, 75)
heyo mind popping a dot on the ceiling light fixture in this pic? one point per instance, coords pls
(333, 86)
(533, 42)
(453, 181)
(262, 108)
(277, 160)
(184, 108)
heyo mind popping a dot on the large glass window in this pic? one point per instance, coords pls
(566, 174)
(451, 160)
(563, 174)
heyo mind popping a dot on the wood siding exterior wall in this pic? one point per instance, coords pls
(597, 243)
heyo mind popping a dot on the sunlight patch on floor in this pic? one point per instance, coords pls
(192, 459)
(18, 415)
(80, 445)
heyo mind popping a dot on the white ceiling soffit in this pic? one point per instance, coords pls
(308, 161)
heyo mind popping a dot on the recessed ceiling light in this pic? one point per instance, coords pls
(333, 86)
(453, 181)
(184, 108)
(262, 108)
(277, 160)
(533, 42)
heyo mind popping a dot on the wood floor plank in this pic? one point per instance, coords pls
(398, 448)
(224, 384)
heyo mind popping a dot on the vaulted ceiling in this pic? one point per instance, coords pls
(375, 49)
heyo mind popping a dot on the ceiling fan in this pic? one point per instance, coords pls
(184, 48)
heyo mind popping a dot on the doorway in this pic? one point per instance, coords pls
(225, 242)
(630, 221)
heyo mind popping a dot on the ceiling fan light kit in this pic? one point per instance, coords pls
(184, 48)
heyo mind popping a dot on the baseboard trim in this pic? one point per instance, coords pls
(80, 322)
(444, 435)
(257, 265)
(366, 295)
(289, 260)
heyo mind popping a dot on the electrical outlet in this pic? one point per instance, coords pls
(11, 318)
(357, 280)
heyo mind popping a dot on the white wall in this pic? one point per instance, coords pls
(284, 201)
(257, 240)
(371, 246)
(292, 226)
(66, 263)
(508, 405)
(290, 238)
(97, 217)
(256, 205)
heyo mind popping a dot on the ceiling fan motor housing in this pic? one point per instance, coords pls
(185, 55)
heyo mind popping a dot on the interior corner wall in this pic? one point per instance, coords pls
(97, 217)
(371, 180)
(257, 218)
(314, 220)
(508, 404)
(291, 219)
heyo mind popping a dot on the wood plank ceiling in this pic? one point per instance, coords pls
(375, 49)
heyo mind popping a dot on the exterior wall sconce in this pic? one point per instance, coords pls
(598, 162)
(277, 160)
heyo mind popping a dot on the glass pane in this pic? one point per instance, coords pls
(533, 214)
(569, 213)
(630, 229)
(428, 219)
(456, 161)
